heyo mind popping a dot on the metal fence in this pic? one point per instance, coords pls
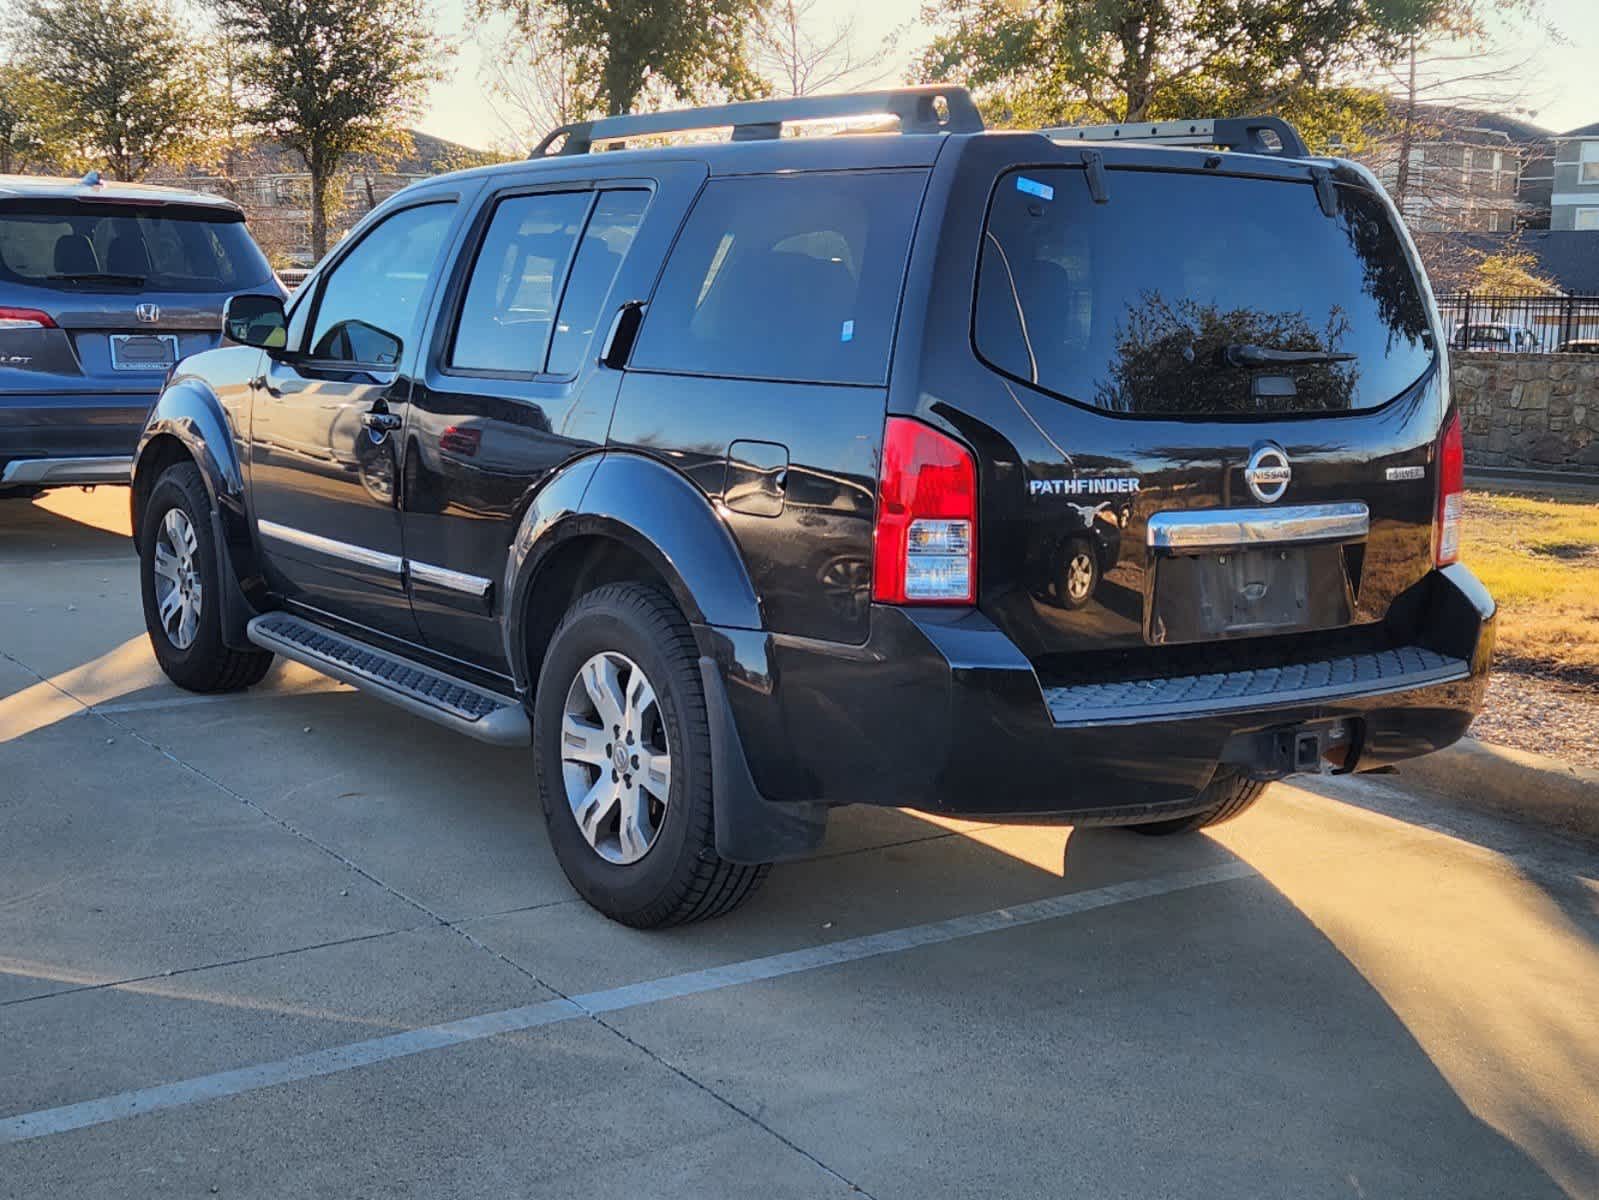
(1525, 324)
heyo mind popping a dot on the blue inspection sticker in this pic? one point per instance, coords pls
(847, 333)
(1033, 188)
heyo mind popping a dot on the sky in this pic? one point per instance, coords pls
(1554, 81)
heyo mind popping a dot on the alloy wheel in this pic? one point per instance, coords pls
(616, 761)
(178, 589)
(1079, 575)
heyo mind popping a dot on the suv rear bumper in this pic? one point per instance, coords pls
(941, 712)
(51, 439)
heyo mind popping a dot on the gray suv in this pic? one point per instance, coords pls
(103, 287)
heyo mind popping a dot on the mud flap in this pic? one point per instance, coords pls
(749, 827)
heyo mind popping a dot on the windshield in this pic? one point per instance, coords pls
(70, 244)
(1181, 293)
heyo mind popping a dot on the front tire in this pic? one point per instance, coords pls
(1077, 578)
(180, 579)
(1230, 795)
(623, 748)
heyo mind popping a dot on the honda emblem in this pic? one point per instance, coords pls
(148, 313)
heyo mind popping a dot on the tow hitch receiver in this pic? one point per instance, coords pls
(1316, 748)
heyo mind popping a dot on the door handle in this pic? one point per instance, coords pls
(381, 422)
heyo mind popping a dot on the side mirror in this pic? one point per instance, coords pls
(257, 321)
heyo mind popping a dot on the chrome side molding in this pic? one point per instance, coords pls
(455, 581)
(1216, 528)
(388, 563)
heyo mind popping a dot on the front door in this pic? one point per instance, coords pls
(325, 421)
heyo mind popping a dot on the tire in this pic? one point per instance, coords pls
(604, 637)
(1077, 575)
(193, 656)
(1232, 794)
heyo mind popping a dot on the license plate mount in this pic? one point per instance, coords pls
(143, 351)
(1248, 592)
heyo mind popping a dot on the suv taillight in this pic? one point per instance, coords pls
(1451, 483)
(925, 543)
(25, 318)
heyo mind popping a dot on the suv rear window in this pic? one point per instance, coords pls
(1131, 305)
(69, 244)
(792, 277)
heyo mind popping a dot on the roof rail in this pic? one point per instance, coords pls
(917, 108)
(1230, 133)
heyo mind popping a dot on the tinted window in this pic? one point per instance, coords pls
(786, 277)
(370, 300)
(510, 302)
(605, 242)
(1132, 305)
(70, 245)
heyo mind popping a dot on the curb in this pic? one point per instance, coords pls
(1525, 787)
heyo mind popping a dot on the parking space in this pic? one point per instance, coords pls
(299, 943)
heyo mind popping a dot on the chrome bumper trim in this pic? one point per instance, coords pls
(1213, 528)
(113, 469)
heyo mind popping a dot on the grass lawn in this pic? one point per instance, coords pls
(1538, 553)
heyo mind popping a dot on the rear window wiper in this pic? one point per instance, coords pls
(1245, 354)
(98, 277)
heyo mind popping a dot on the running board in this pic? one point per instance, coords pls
(451, 702)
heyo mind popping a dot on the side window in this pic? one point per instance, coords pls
(510, 303)
(370, 300)
(610, 232)
(792, 277)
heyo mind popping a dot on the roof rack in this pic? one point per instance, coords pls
(917, 108)
(1230, 133)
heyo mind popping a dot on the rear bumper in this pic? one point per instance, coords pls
(943, 713)
(51, 439)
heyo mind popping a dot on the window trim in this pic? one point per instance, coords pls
(926, 175)
(479, 238)
(327, 273)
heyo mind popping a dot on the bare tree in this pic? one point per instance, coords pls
(529, 74)
(801, 55)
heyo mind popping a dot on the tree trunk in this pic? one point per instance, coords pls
(1407, 134)
(319, 210)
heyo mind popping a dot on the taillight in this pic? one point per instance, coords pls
(1451, 483)
(925, 543)
(25, 318)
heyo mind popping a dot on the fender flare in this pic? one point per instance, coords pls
(651, 509)
(189, 411)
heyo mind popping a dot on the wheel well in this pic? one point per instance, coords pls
(574, 569)
(163, 451)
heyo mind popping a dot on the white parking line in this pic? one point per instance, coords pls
(132, 706)
(348, 1057)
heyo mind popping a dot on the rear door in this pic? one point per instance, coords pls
(510, 388)
(1154, 332)
(325, 421)
(760, 372)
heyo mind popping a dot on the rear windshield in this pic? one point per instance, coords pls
(1160, 300)
(68, 244)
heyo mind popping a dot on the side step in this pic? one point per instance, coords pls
(449, 701)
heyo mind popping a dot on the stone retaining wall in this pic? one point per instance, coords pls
(1538, 411)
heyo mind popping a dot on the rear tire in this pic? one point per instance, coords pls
(179, 572)
(1232, 794)
(645, 861)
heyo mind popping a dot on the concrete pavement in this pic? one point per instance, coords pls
(1352, 991)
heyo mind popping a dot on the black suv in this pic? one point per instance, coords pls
(1105, 473)
(103, 286)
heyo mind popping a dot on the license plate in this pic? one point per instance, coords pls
(143, 351)
(1243, 593)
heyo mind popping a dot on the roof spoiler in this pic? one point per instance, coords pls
(918, 108)
(1245, 134)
